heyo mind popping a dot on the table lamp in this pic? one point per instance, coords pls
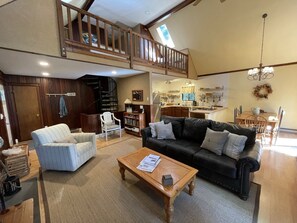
(128, 103)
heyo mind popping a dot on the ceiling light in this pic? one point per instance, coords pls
(45, 74)
(43, 63)
(113, 72)
(261, 73)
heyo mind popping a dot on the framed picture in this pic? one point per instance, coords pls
(137, 95)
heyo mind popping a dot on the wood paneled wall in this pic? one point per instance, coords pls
(81, 103)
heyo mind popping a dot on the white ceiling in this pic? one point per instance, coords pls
(131, 12)
(22, 63)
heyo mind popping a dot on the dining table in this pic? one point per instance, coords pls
(271, 117)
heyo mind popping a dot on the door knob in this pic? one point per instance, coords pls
(37, 115)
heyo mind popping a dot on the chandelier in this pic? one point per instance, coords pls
(261, 73)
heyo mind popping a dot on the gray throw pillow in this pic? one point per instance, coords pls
(68, 139)
(234, 145)
(214, 141)
(153, 127)
(164, 131)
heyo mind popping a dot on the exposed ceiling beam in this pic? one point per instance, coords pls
(87, 5)
(5, 2)
(168, 13)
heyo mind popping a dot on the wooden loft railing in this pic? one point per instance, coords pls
(83, 32)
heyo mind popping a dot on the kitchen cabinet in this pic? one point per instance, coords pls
(175, 111)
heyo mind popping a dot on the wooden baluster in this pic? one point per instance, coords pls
(79, 27)
(166, 62)
(131, 48)
(106, 35)
(143, 49)
(186, 63)
(120, 40)
(112, 38)
(126, 42)
(149, 50)
(89, 30)
(70, 32)
(98, 32)
(135, 45)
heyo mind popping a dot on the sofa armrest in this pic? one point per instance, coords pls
(251, 156)
(145, 133)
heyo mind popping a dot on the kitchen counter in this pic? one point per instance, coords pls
(197, 109)
(215, 113)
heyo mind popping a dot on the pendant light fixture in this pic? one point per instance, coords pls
(261, 73)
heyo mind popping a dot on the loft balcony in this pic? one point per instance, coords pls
(85, 33)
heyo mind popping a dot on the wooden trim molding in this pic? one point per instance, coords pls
(245, 69)
(169, 13)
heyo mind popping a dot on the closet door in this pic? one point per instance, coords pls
(28, 110)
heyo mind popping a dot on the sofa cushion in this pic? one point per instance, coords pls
(164, 131)
(234, 145)
(153, 128)
(195, 129)
(221, 164)
(214, 141)
(177, 124)
(182, 150)
(236, 129)
(158, 145)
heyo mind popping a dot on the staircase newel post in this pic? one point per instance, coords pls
(131, 48)
(61, 27)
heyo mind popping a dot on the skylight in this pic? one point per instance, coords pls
(165, 36)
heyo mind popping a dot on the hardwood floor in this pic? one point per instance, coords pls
(277, 176)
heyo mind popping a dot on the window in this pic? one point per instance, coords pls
(165, 36)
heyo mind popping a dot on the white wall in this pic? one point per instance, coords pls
(30, 25)
(284, 86)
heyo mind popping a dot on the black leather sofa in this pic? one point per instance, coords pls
(227, 172)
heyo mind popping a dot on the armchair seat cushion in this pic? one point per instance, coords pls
(222, 164)
(111, 126)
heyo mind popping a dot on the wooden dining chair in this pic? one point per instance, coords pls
(235, 114)
(259, 123)
(277, 128)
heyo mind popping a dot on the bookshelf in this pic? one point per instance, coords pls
(134, 122)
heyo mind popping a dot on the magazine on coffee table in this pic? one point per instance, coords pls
(149, 163)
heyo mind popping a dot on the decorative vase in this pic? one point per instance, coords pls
(256, 111)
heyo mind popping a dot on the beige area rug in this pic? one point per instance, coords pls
(96, 193)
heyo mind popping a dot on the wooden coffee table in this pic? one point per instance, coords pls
(182, 175)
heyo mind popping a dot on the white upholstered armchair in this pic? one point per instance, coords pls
(59, 149)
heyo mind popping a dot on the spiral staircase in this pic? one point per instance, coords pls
(105, 92)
